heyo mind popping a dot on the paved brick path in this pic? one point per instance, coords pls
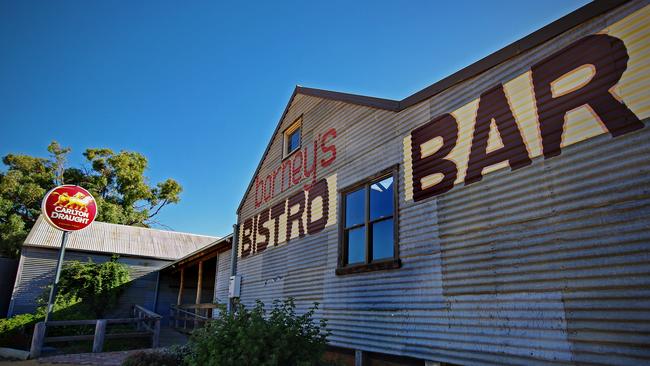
(102, 359)
(168, 337)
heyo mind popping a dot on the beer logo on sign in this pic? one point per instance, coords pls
(79, 201)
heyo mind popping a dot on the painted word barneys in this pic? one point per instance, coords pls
(296, 168)
(308, 211)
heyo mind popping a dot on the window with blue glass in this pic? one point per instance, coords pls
(368, 228)
(292, 137)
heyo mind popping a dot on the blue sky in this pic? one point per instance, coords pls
(198, 86)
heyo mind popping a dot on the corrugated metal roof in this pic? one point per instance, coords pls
(201, 252)
(120, 239)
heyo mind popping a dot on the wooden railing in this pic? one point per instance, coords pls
(146, 324)
(191, 316)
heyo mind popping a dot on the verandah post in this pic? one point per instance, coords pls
(199, 285)
(180, 288)
(100, 332)
(155, 339)
(37, 340)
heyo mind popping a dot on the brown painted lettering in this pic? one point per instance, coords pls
(317, 190)
(262, 230)
(609, 57)
(445, 127)
(276, 212)
(247, 242)
(493, 107)
(296, 199)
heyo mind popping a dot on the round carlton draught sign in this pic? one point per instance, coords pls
(69, 208)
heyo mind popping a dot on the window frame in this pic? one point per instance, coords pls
(286, 134)
(368, 265)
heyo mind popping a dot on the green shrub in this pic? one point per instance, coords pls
(153, 358)
(86, 291)
(97, 285)
(16, 332)
(251, 338)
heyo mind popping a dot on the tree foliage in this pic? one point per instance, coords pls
(253, 337)
(116, 180)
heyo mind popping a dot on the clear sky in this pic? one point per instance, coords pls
(198, 86)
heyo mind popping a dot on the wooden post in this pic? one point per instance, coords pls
(359, 358)
(199, 285)
(138, 324)
(37, 340)
(155, 339)
(100, 332)
(180, 288)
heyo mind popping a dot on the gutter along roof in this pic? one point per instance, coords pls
(532, 40)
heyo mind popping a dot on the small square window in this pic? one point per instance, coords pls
(367, 239)
(292, 137)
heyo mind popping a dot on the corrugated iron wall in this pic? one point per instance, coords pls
(222, 277)
(548, 264)
(167, 292)
(36, 272)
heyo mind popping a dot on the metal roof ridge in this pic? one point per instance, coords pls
(159, 230)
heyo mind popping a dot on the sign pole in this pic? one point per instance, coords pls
(53, 289)
(66, 208)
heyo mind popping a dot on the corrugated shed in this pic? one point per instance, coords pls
(37, 266)
(103, 237)
(548, 264)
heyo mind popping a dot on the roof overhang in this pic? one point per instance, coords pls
(208, 252)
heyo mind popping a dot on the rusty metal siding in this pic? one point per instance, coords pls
(120, 239)
(547, 264)
(37, 272)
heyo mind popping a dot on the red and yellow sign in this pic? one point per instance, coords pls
(69, 208)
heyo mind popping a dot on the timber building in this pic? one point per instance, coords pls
(497, 217)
